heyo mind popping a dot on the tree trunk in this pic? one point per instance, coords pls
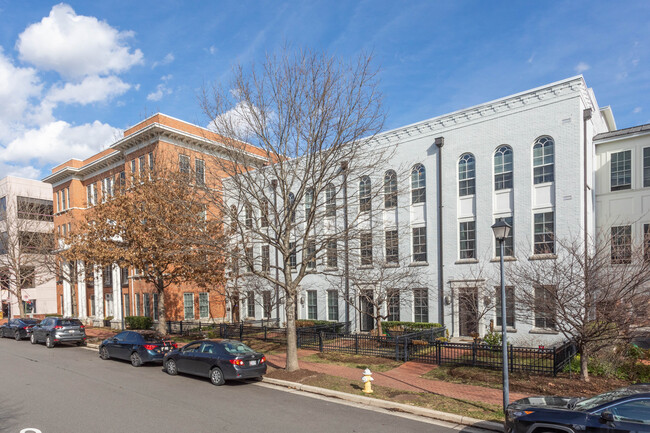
(162, 314)
(584, 359)
(380, 331)
(292, 343)
(19, 296)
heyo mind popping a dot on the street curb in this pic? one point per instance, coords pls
(384, 404)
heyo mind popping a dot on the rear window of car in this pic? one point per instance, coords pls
(149, 336)
(30, 321)
(236, 348)
(68, 322)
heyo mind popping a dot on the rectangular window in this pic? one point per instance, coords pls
(266, 259)
(188, 306)
(330, 201)
(204, 305)
(63, 195)
(310, 252)
(332, 254)
(124, 277)
(249, 259)
(508, 243)
(133, 172)
(264, 221)
(266, 303)
(332, 305)
(292, 255)
(510, 306)
(250, 304)
(146, 301)
(545, 306)
(151, 165)
(309, 201)
(421, 305)
(68, 195)
(646, 242)
(155, 306)
(646, 167)
(200, 172)
(467, 240)
(3, 208)
(27, 277)
(419, 244)
(127, 305)
(312, 305)
(35, 209)
(366, 249)
(89, 195)
(392, 305)
(621, 170)
(121, 179)
(544, 233)
(248, 216)
(184, 164)
(143, 167)
(621, 244)
(392, 247)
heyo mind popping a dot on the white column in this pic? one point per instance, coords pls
(67, 292)
(117, 294)
(81, 290)
(99, 294)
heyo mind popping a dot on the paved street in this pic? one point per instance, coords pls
(69, 389)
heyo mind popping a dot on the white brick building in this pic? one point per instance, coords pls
(521, 157)
(25, 205)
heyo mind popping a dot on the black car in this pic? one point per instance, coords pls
(219, 360)
(621, 410)
(54, 330)
(137, 347)
(18, 328)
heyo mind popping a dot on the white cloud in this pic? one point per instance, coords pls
(236, 120)
(167, 60)
(637, 110)
(582, 67)
(28, 172)
(18, 87)
(91, 89)
(59, 141)
(212, 49)
(75, 45)
(161, 89)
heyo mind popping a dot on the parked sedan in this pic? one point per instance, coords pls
(18, 328)
(54, 330)
(219, 360)
(621, 410)
(137, 347)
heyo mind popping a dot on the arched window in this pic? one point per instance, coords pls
(248, 215)
(503, 168)
(543, 160)
(330, 200)
(291, 207)
(390, 189)
(418, 184)
(365, 200)
(466, 175)
(233, 218)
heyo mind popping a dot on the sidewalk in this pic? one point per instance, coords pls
(406, 377)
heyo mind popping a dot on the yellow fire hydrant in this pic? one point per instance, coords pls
(367, 380)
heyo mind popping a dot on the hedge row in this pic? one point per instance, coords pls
(138, 322)
(409, 326)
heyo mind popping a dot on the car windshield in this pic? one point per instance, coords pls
(236, 348)
(604, 398)
(30, 321)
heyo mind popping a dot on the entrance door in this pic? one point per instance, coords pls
(234, 302)
(5, 310)
(367, 310)
(467, 310)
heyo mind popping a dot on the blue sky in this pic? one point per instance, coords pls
(73, 75)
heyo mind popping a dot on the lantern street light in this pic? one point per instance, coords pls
(501, 231)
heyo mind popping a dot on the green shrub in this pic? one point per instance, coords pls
(409, 326)
(138, 322)
(629, 370)
(310, 323)
(53, 315)
(493, 339)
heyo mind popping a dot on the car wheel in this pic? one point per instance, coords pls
(32, 339)
(170, 367)
(103, 353)
(136, 361)
(17, 336)
(49, 342)
(216, 376)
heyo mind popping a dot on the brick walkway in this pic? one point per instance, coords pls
(406, 377)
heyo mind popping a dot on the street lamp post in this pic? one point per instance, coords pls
(501, 231)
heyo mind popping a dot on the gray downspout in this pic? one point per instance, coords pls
(439, 142)
(586, 116)
(274, 185)
(346, 252)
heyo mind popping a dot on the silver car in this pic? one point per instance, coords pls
(54, 330)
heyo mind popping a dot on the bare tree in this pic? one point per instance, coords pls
(592, 298)
(26, 246)
(299, 134)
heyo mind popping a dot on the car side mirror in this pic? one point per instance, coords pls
(607, 416)
(115, 340)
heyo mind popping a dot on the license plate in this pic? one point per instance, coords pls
(165, 349)
(253, 362)
(71, 331)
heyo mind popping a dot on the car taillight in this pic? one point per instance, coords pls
(263, 360)
(82, 327)
(175, 345)
(236, 362)
(149, 346)
(58, 327)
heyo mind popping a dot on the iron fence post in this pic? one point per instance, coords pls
(397, 348)
(555, 361)
(473, 353)
(241, 331)
(438, 349)
(406, 349)
(181, 329)
(511, 359)
(356, 344)
(320, 341)
(265, 328)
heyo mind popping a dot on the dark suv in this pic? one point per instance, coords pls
(55, 330)
(18, 328)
